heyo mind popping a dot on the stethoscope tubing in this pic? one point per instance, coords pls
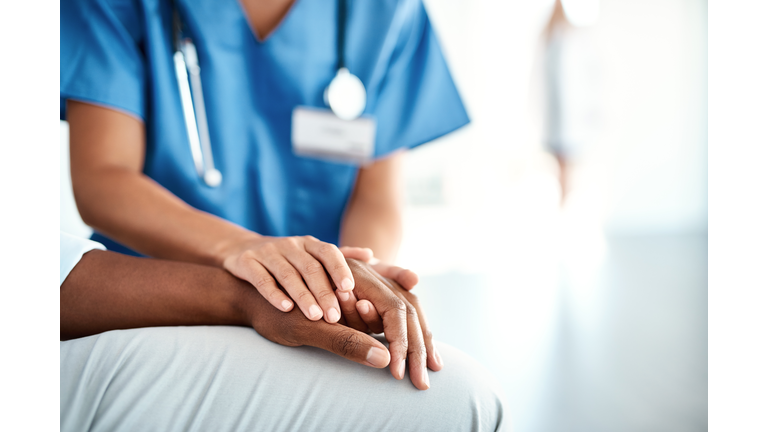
(193, 105)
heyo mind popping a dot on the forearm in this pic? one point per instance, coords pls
(137, 212)
(108, 291)
(372, 226)
(373, 217)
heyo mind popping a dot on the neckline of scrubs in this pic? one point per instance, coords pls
(280, 24)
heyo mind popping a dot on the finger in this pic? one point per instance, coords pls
(406, 278)
(253, 272)
(434, 361)
(347, 300)
(393, 314)
(362, 254)
(370, 316)
(333, 261)
(346, 342)
(316, 279)
(285, 273)
(417, 352)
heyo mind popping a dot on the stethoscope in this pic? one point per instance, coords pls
(345, 95)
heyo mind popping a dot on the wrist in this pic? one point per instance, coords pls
(243, 305)
(233, 245)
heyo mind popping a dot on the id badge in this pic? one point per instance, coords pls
(320, 134)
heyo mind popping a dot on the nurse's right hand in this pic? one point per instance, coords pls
(301, 265)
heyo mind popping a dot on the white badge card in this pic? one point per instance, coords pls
(319, 133)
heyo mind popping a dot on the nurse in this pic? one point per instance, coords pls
(278, 217)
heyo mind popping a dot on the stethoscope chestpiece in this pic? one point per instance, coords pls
(346, 95)
(212, 177)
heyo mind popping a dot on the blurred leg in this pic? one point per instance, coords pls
(231, 379)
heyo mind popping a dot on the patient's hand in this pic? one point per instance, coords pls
(405, 278)
(294, 329)
(108, 291)
(385, 306)
(361, 315)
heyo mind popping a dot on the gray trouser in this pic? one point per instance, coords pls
(231, 379)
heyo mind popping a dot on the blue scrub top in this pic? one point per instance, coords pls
(118, 53)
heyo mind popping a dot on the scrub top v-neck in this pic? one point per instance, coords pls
(118, 54)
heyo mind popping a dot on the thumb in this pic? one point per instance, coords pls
(346, 342)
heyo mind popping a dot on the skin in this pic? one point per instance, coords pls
(116, 198)
(373, 216)
(265, 15)
(107, 291)
(113, 196)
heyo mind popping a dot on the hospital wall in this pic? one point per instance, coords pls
(644, 173)
(592, 315)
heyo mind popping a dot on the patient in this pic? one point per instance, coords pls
(218, 374)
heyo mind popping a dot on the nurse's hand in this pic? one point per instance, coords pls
(401, 320)
(301, 265)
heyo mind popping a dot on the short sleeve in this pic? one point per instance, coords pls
(418, 100)
(71, 250)
(101, 61)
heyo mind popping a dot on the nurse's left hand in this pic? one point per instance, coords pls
(301, 265)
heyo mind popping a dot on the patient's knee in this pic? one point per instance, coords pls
(470, 398)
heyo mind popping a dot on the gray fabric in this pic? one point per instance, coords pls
(231, 379)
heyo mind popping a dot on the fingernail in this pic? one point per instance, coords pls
(315, 312)
(401, 370)
(364, 308)
(377, 357)
(343, 295)
(439, 359)
(333, 315)
(286, 305)
(347, 284)
(426, 377)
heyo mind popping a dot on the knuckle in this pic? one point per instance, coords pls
(304, 296)
(309, 238)
(411, 311)
(347, 344)
(248, 255)
(268, 247)
(327, 249)
(263, 283)
(286, 273)
(427, 334)
(313, 267)
(325, 296)
(402, 343)
(417, 354)
(398, 305)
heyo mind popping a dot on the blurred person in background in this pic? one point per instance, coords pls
(571, 84)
